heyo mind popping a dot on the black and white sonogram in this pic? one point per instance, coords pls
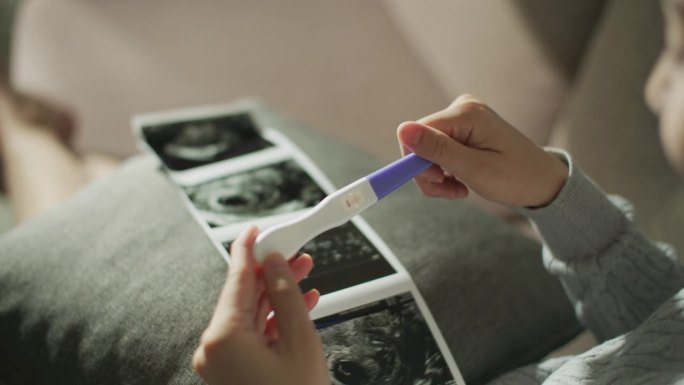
(383, 343)
(269, 190)
(343, 257)
(188, 144)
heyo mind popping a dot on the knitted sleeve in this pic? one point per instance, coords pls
(614, 277)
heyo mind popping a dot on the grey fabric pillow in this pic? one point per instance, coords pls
(116, 285)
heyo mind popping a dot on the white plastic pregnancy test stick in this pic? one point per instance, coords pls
(337, 208)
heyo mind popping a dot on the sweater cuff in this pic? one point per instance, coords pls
(581, 221)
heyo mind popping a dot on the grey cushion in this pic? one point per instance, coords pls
(608, 128)
(116, 285)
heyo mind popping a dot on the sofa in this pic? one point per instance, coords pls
(568, 74)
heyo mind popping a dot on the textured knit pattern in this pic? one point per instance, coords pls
(625, 290)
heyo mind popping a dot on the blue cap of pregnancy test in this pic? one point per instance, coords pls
(395, 174)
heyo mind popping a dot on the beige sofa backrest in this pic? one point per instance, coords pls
(518, 56)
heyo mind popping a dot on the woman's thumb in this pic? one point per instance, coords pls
(287, 300)
(431, 144)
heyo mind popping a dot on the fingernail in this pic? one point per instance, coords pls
(412, 134)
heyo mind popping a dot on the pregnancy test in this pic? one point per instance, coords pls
(337, 208)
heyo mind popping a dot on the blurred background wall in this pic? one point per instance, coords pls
(354, 68)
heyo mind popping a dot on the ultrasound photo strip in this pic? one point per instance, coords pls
(202, 143)
(365, 282)
(270, 184)
(385, 342)
(269, 190)
(194, 142)
(343, 257)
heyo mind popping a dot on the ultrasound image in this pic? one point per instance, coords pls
(383, 343)
(343, 257)
(270, 190)
(184, 145)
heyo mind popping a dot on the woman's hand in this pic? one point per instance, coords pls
(473, 147)
(241, 346)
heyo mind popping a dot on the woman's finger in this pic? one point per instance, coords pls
(311, 298)
(265, 308)
(289, 306)
(237, 302)
(450, 188)
(242, 280)
(301, 267)
(434, 174)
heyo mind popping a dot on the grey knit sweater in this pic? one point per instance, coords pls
(626, 290)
